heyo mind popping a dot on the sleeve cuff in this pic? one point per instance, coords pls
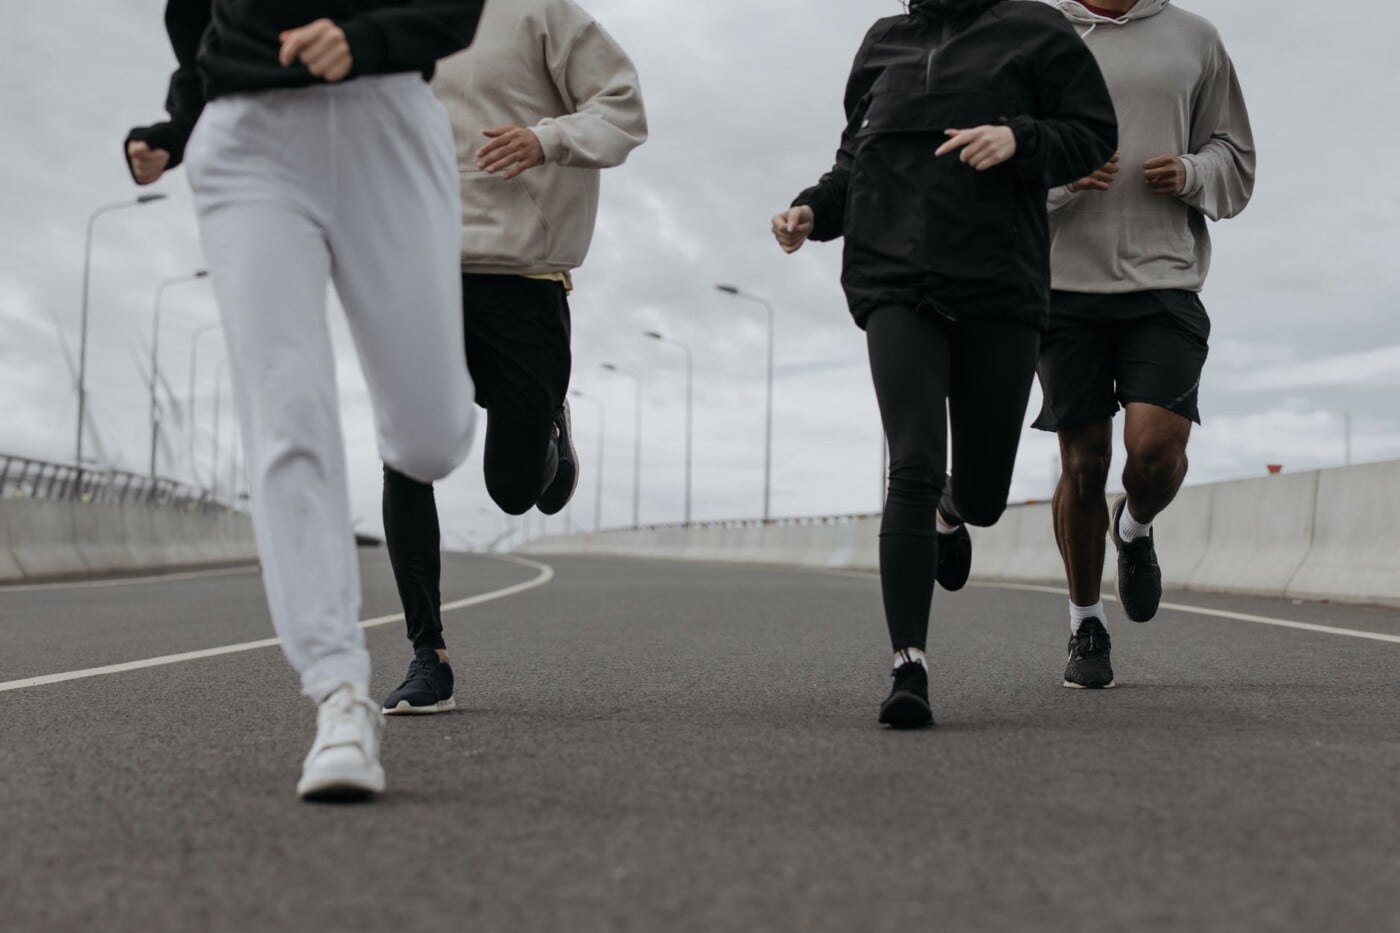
(158, 136)
(551, 141)
(1193, 177)
(367, 50)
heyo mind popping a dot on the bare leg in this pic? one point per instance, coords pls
(1156, 440)
(1081, 516)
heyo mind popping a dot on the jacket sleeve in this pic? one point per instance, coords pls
(599, 84)
(1073, 129)
(410, 37)
(185, 22)
(827, 198)
(1220, 167)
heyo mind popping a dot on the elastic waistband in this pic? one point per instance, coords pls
(343, 90)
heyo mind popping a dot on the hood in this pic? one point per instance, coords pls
(1076, 13)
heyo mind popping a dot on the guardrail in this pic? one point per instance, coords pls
(1323, 535)
(23, 478)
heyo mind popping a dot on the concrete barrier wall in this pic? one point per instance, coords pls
(1324, 535)
(41, 539)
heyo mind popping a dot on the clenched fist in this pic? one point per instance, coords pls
(321, 46)
(1166, 175)
(793, 226)
(1101, 180)
(147, 164)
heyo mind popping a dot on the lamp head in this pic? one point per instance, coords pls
(728, 289)
(150, 198)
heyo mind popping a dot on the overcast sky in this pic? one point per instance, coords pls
(744, 97)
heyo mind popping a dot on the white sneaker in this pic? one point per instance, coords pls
(343, 763)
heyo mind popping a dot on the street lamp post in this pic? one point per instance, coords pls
(602, 433)
(689, 414)
(194, 367)
(637, 445)
(768, 432)
(155, 358)
(83, 332)
(218, 399)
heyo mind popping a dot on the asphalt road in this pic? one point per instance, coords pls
(656, 746)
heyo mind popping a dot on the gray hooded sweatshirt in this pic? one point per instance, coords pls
(546, 65)
(1176, 93)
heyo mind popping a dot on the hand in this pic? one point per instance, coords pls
(320, 46)
(793, 226)
(512, 150)
(1166, 175)
(1101, 180)
(147, 164)
(983, 147)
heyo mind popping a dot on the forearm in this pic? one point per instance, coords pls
(827, 199)
(411, 37)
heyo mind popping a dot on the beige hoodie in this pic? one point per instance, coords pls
(546, 65)
(1176, 93)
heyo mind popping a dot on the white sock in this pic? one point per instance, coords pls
(943, 527)
(1130, 529)
(910, 656)
(1077, 615)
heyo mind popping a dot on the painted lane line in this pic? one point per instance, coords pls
(544, 576)
(1176, 607)
(129, 581)
(1216, 614)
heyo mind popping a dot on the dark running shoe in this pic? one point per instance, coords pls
(954, 559)
(1139, 576)
(559, 492)
(1090, 666)
(907, 706)
(426, 689)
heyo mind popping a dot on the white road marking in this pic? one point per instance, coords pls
(546, 574)
(128, 581)
(1174, 607)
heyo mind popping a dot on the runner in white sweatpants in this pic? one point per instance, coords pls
(357, 184)
(339, 167)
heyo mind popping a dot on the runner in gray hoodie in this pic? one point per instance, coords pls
(1130, 252)
(540, 104)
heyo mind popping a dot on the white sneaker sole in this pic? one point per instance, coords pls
(404, 709)
(356, 784)
(1073, 686)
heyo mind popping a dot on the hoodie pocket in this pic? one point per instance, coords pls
(502, 223)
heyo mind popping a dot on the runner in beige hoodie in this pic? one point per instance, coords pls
(1130, 252)
(542, 101)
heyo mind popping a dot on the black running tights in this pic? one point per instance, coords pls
(521, 459)
(973, 376)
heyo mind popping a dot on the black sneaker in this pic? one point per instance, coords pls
(1139, 576)
(1090, 666)
(907, 706)
(954, 559)
(559, 492)
(426, 689)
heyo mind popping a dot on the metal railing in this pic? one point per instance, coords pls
(22, 478)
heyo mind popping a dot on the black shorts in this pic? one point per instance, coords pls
(518, 333)
(1106, 351)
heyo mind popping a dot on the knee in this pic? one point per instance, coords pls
(432, 456)
(915, 483)
(1086, 471)
(982, 514)
(511, 495)
(1157, 461)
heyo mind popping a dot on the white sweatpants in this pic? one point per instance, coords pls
(354, 184)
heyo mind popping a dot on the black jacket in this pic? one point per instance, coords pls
(231, 46)
(932, 232)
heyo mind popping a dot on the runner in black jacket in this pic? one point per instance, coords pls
(960, 116)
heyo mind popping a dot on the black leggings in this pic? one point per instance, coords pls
(521, 460)
(973, 375)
